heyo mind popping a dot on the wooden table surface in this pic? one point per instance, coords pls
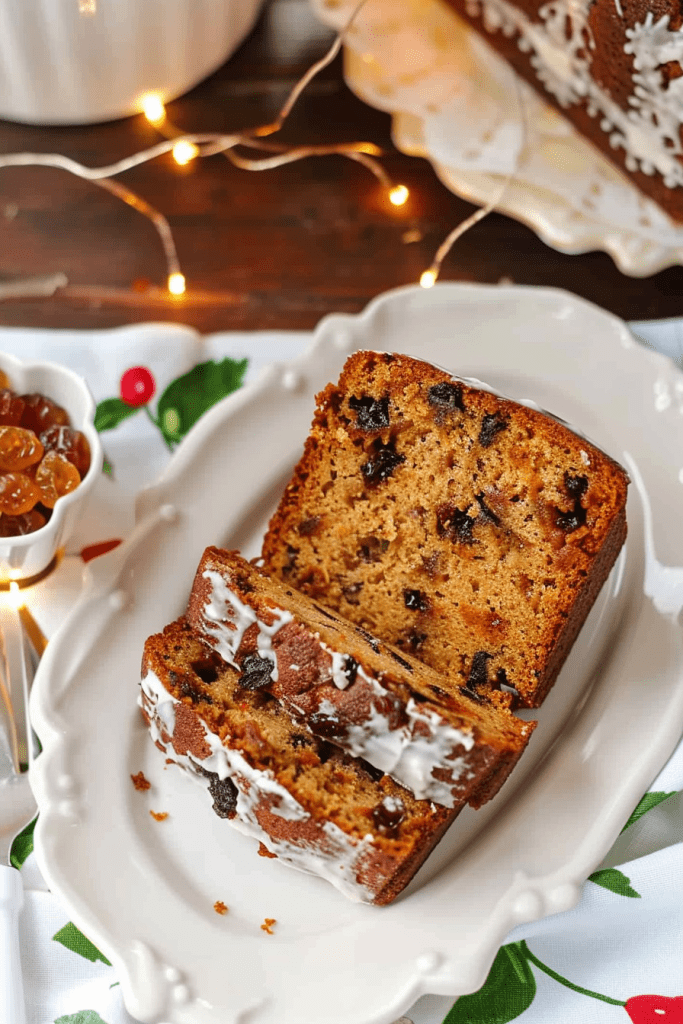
(275, 249)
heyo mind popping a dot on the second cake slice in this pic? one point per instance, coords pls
(352, 689)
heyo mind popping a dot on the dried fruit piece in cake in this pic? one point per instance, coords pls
(351, 689)
(481, 544)
(310, 804)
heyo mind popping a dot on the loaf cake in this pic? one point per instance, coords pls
(307, 802)
(469, 530)
(352, 689)
(613, 67)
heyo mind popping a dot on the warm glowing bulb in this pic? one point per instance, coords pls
(153, 108)
(428, 279)
(369, 148)
(398, 195)
(176, 284)
(184, 151)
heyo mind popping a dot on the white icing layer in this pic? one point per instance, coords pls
(337, 857)
(224, 604)
(410, 753)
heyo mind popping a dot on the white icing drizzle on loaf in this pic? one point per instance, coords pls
(338, 857)
(410, 753)
(224, 604)
(649, 131)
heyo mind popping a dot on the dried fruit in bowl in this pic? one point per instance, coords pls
(42, 458)
(55, 477)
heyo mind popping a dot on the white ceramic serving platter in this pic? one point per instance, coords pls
(144, 890)
(453, 101)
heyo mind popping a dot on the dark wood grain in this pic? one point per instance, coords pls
(277, 249)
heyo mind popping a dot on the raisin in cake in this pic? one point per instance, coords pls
(613, 67)
(469, 530)
(352, 689)
(309, 804)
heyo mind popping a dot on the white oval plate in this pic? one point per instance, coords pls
(453, 102)
(144, 890)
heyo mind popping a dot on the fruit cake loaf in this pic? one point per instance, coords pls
(352, 689)
(613, 67)
(464, 528)
(308, 803)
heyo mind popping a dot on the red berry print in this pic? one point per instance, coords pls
(137, 386)
(655, 1009)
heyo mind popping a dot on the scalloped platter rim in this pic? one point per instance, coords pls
(144, 890)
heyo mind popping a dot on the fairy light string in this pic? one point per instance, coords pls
(429, 277)
(186, 147)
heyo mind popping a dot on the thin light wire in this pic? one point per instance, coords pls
(310, 75)
(158, 220)
(210, 144)
(432, 273)
(65, 163)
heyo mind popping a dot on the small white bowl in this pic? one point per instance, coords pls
(24, 557)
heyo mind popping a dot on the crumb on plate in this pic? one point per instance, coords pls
(159, 815)
(220, 907)
(263, 851)
(267, 925)
(140, 782)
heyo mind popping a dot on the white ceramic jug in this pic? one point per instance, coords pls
(83, 61)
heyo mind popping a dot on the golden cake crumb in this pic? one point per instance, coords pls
(220, 907)
(140, 782)
(159, 815)
(263, 851)
(267, 925)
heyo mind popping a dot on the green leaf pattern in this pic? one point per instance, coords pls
(614, 880)
(508, 991)
(82, 1017)
(649, 801)
(190, 396)
(111, 412)
(76, 941)
(182, 403)
(22, 846)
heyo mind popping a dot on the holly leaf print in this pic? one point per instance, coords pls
(22, 846)
(508, 991)
(82, 1017)
(76, 941)
(190, 396)
(614, 880)
(112, 411)
(649, 801)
